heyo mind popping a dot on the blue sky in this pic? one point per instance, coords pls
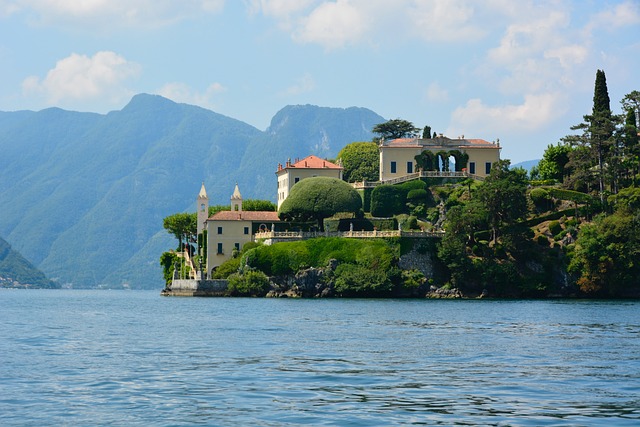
(518, 71)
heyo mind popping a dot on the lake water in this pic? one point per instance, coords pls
(76, 357)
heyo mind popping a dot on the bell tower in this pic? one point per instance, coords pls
(236, 200)
(203, 208)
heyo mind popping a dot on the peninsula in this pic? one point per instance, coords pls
(410, 215)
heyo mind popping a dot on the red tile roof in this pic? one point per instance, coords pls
(266, 216)
(314, 162)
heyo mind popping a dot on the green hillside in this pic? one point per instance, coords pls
(17, 272)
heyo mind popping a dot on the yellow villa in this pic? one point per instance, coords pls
(473, 156)
(308, 167)
(228, 231)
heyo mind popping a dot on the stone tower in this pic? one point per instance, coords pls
(236, 200)
(203, 208)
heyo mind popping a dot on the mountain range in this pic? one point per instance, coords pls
(83, 195)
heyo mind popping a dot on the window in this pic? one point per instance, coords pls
(409, 167)
(219, 230)
(202, 207)
(393, 167)
(295, 180)
(219, 248)
(472, 168)
(237, 246)
(487, 168)
(246, 230)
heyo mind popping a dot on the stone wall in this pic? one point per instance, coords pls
(197, 288)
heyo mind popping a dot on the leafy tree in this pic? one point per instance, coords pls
(182, 226)
(460, 226)
(503, 194)
(395, 128)
(606, 252)
(318, 198)
(361, 161)
(258, 205)
(426, 132)
(168, 261)
(631, 101)
(553, 162)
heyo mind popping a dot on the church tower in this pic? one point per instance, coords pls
(203, 208)
(236, 200)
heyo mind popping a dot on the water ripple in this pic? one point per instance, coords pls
(133, 358)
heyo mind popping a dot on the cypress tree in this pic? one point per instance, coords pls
(601, 101)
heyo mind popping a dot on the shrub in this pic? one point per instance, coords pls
(227, 268)
(387, 200)
(571, 223)
(358, 280)
(574, 196)
(249, 283)
(408, 222)
(289, 257)
(168, 261)
(542, 240)
(412, 279)
(555, 227)
(417, 195)
(541, 198)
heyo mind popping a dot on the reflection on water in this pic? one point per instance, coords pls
(134, 358)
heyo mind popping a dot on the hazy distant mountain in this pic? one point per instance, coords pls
(17, 272)
(527, 165)
(83, 195)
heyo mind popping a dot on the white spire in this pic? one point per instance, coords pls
(203, 192)
(236, 193)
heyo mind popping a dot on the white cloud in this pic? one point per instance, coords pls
(436, 93)
(445, 20)
(181, 92)
(333, 25)
(280, 9)
(524, 39)
(536, 112)
(79, 78)
(622, 15)
(568, 55)
(8, 7)
(107, 13)
(304, 84)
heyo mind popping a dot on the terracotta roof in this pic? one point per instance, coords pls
(314, 162)
(266, 216)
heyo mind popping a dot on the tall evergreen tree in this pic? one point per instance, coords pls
(601, 101)
(596, 139)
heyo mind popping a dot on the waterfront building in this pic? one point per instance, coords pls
(291, 173)
(229, 231)
(402, 157)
